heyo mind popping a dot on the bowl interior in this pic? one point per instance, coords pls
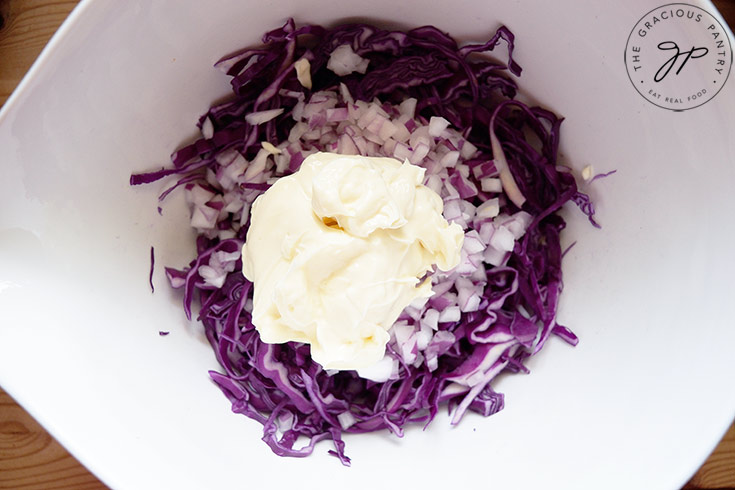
(121, 86)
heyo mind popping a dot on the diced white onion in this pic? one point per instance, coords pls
(450, 314)
(489, 209)
(344, 61)
(408, 107)
(502, 239)
(431, 319)
(267, 146)
(587, 173)
(490, 184)
(437, 125)
(303, 72)
(346, 419)
(261, 117)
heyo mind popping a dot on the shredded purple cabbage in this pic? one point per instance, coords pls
(150, 273)
(279, 385)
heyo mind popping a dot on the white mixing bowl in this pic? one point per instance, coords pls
(638, 403)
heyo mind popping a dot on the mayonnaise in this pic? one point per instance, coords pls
(337, 250)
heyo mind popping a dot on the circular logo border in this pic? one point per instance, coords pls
(627, 44)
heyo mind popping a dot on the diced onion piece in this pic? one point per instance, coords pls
(423, 337)
(345, 93)
(434, 182)
(437, 125)
(346, 146)
(346, 419)
(450, 159)
(204, 217)
(451, 314)
(211, 276)
(473, 243)
(257, 166)
(261, 117)
(489, 209)
(367, 116)
(431, 319)
(379, 372)
(402, 134)
(344, 61)
(419, 153)
(467, 295)
(401, 151)
(408, 107)
(387, 129)
(270, 148)
(489, 184)
(468, 150)
(494, 256)
(337, 115)
(502, 240)
(198, 195)
(587, 173)
(303, 72)
(518, 223)
(452, 210)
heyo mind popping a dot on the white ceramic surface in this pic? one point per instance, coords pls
(638, 404)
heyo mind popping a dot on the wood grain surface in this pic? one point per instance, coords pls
(29, 457)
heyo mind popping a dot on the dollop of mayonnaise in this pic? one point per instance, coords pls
(337, 250)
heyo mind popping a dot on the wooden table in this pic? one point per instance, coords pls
(29, 457)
